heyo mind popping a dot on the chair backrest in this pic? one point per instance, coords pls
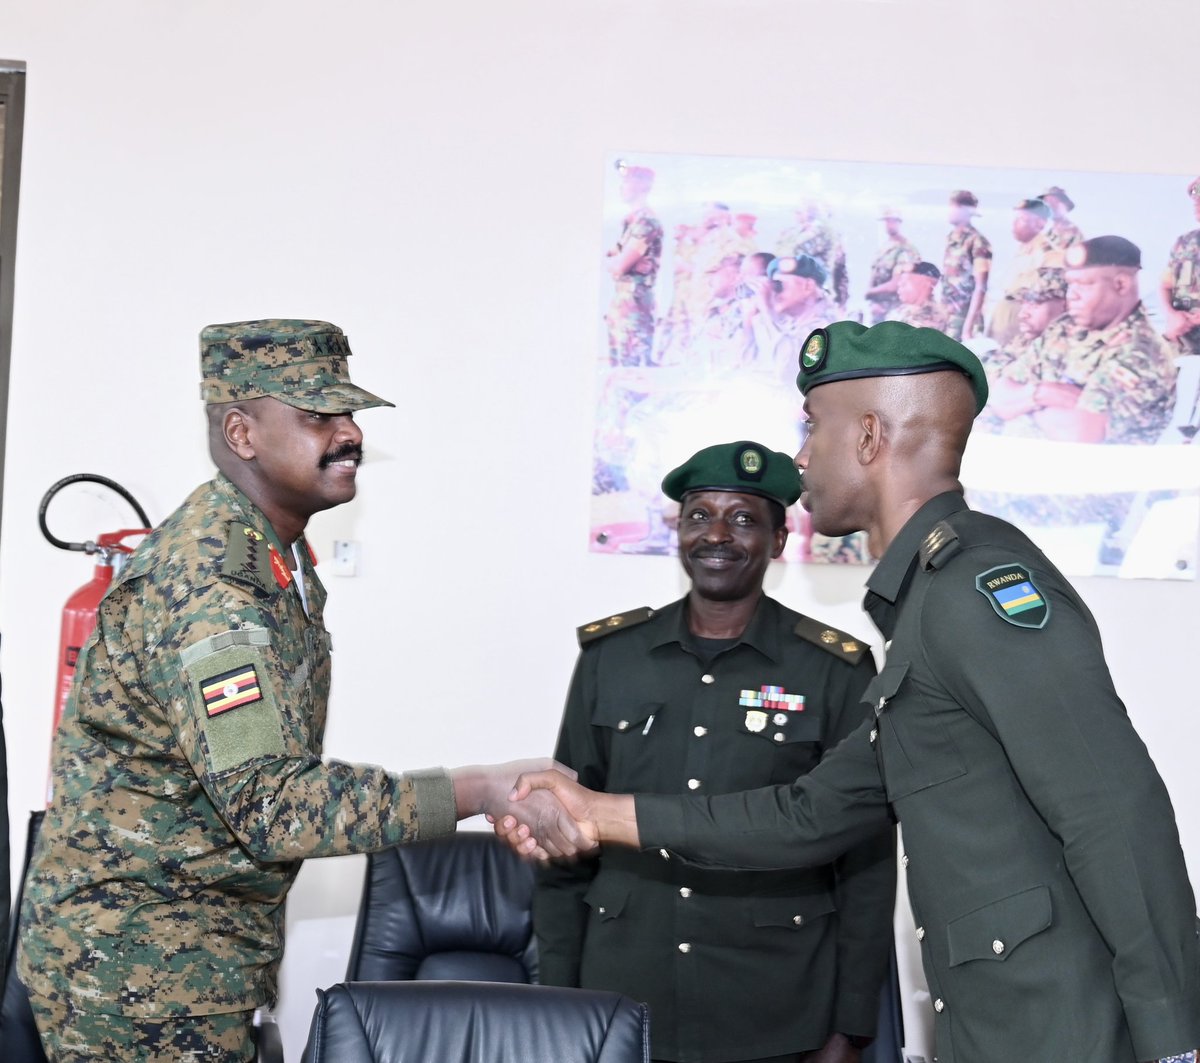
(463, 1022)
(454, 908)
(18, 1034)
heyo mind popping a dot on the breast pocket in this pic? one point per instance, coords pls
(630, 729)
(995, 931)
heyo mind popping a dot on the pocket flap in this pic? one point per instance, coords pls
(605, 899)
(624, 716)
(883, 687)
(995, 930)
(791, 911)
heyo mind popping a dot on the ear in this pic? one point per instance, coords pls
(236, 429)
(779, 541)
(870, 439)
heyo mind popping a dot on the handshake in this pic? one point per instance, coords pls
(541, 811)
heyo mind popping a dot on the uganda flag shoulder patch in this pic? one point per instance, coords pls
(230, 690)
(1014, 596)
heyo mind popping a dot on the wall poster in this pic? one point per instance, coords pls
(1079, 291)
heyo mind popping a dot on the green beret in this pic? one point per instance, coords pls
(302, 363)
(847, 350)
(1104, 251)
(742, 466)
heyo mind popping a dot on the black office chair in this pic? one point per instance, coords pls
(18, 1033)
(463, 1022)
(454, 908)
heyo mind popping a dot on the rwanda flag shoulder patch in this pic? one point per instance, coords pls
(231, 689)
(1014, 596)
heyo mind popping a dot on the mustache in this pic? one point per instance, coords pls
(346, 450)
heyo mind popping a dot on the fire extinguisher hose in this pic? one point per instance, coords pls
(84, 477)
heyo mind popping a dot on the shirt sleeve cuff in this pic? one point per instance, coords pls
(433, 795)
(659, 820)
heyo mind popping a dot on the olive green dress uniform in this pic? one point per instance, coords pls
(1053, 908)
(733, 965)
(188, 778)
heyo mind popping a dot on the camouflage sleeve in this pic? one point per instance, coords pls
(906, 256)
(245, 699)
(643, 228)
(981, 255)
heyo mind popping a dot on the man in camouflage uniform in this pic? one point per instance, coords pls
(1181, 285)
(915, 292)
(188, 779)
(1031, 217)
(814, 235)
(1062, 232)
(633, 265)
(887, 266)
(794, 303)
(722, 340)
(965, 268)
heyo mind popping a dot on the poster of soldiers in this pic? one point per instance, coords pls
(1080, 292)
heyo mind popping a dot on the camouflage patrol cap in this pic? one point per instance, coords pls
(1048, 283)
(1104, 251)
(849, 350)
(301, 363)
(926, 269)
(963, 198)
(744, 466)
(798, 266)
(1035, 206)
(1059, 193)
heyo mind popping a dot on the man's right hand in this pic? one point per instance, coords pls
(600, 817)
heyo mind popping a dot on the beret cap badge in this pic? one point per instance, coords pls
(815, 349)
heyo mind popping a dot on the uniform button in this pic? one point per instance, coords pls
(684, 892)
(887, 645)
(699, 732)
(707, 679)
(664, 854)
(920, 933)
(684, 947)
(998, 947)
(874, 734)
(693, 784)
(904, 860)
(779, 719)
(939, 1005)
(798, 920)
(602, 909)
(779, 736)
(623, 725)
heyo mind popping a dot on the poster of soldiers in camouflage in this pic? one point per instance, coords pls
(1080, 292)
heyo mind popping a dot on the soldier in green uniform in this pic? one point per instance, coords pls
(965, 268)
(187, 770)
(1181, 285)
(721, 691)
(1052, 904)
(1061, 232)
(887, 266)
(633, 266)
(915, 292)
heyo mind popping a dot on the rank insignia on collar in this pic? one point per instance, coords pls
(1014, 596)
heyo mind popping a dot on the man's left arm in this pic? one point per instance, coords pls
(1047, 696)
(865, 888)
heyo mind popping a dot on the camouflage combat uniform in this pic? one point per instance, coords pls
(189, 783)
(967, 251)
(1183, 275)
(895, 255)
(920, 315)
(630, 316)
(1030, 257)
(818, 240)
(1061, 234)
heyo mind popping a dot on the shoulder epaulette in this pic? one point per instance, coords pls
(830, 639)
(248, 559)
(617, 622)
(941, 544)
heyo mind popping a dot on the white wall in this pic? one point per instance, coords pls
(429, 177)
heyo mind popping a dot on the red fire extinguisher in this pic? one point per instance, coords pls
(79, 613)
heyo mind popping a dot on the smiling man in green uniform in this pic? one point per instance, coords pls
(721, 691)
(1052, 903)
(188, 778)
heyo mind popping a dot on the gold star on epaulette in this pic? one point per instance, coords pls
(830, 639)
(939, 546)
(617, 622)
